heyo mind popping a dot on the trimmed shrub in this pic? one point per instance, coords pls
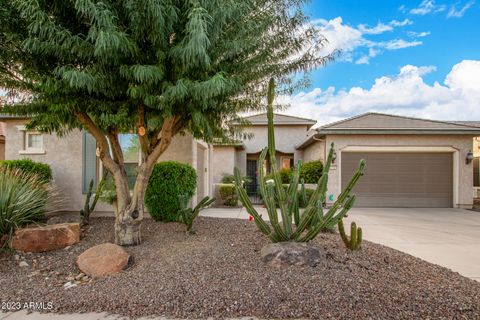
(228, 194)
(285, 175)
(308, 193)
(230, 178)
(311, 171)
(42, 170)
(24, 199)
(169, 181)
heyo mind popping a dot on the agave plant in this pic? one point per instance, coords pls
(294, 225)
(24, 199)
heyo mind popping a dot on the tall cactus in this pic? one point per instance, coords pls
(313, 219)
(355, 240)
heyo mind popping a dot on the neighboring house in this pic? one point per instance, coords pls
(2, 141)
(476, 160)
(410, 162)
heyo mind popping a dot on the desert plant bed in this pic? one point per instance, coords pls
(218, 272)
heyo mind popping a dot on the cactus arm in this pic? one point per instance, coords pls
(341, 230)
(353, 235)
(359, 237)
(262, 225)
(272, 212)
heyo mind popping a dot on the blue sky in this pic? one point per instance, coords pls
(418, 58)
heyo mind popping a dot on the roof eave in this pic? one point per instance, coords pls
(400, 131)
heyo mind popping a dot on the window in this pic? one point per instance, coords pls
(132, 156)
(287, 162)
(32, 142)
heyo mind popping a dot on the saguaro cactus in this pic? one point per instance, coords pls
(294, 225)
(355, 240)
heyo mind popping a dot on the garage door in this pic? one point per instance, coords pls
(401, 179)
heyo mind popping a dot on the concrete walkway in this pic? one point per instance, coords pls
(447, 237)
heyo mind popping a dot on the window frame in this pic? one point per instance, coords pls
(26, 135)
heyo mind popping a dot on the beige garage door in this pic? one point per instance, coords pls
(401, 179)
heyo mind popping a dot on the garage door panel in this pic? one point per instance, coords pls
(401, 179)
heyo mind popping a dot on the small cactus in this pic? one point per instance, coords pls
(188, 215)
(89, 208)
(355, 240)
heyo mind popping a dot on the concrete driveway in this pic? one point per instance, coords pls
(447, 237)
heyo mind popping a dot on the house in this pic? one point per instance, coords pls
(2, 141)
(410, 162)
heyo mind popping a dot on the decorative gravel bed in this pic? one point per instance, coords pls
(218, 273)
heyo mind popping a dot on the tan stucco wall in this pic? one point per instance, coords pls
(459, 142)
(223, 161)
(315, 151)
(476, 147)
(286, 139)
(64, 155)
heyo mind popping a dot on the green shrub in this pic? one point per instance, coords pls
(24, 198)
(228, 195)
(285, 175)
(304, 202)
(311, 171)
(169, 181)
(43, 170)
(230, 178)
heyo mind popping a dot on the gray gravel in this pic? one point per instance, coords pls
(218, 273)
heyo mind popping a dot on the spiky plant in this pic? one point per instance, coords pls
(188, 215)
(355, 240)
(24, 199)
(89, 206)
(294, 225)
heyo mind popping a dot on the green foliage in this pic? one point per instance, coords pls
(311, 171)
(42, 170)
(24, 199)
(355, 241)
(306, 195)
(89, 208)
(188, 215)
(230, 178)
(169, 181)
(295, 225)
(228, 194)
(285, 175)
(108, 193)
(199, 61)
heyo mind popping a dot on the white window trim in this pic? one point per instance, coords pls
(26, 149)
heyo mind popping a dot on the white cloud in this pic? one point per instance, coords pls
(426, 7)
(418, 34)
(397, 44)
(404, 94)
(349, 39)
(403, 23)
(454, 13)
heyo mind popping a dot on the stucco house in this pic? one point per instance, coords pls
(410, 162)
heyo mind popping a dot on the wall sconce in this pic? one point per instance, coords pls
(469, 157)
(334, 156)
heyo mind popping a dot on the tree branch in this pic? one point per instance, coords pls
(116, 148)
(104, 153)
(144, 145)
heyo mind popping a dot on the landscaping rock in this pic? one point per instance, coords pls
(286, 254)
(46, 238)
(23, 264)
(103, 260)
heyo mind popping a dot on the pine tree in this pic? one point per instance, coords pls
(151, 67)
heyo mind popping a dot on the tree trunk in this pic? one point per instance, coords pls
(130, 208)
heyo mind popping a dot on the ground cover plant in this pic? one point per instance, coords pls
(295, 226)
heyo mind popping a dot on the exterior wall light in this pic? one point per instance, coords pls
(469, 157)
(334, 156)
